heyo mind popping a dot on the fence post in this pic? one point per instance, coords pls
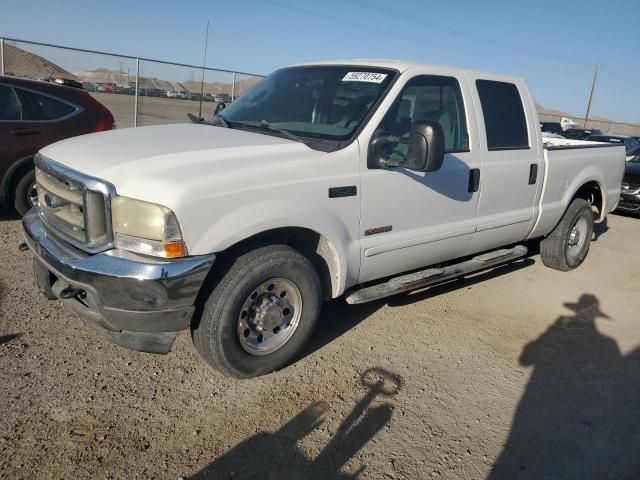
(135, 104)
(233, 87)
(2, 56)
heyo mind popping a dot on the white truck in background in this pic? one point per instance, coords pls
(325, 179)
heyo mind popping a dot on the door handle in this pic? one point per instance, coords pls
(24, 131)
(533, 173)
(474, 180)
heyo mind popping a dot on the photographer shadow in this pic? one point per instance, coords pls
(278, 455)
(579, 417)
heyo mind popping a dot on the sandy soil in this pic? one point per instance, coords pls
(522, 372)
(152, 110)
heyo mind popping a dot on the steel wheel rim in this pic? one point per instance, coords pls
(269, 316)
(32, 195)
(577, 237)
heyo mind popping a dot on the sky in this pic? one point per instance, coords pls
(554, 45)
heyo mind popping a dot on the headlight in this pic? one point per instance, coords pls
(146, 228)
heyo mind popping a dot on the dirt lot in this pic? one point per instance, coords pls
(527, 370)
(152, 110)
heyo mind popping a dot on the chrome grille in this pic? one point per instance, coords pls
(74, 206)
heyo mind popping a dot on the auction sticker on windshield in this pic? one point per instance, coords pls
(371, 77)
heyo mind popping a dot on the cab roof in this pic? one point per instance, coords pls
(403, 65)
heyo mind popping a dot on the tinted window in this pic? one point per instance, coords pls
(45, 108)
(427, 98)
(503, 115)
(9, 104)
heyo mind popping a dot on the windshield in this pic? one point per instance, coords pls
(318, 102)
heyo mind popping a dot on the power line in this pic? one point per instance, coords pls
(401, 15)
(396, 35)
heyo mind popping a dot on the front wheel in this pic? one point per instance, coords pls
(566, 247)
(25, 194)
(260, 314)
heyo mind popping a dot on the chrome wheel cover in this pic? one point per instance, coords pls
(269, 316)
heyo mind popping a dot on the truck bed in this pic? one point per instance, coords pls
(568, 164)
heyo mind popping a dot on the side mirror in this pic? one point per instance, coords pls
(425, 148)
(219, 108)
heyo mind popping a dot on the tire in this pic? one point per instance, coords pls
(22, 200)
(561, 249)
(217, 335)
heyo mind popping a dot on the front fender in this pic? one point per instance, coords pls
(249, 220)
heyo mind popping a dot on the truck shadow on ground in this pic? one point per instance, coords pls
(600, 229)
(579, 417)
(277, 455)
(338, 317)
(8, 215)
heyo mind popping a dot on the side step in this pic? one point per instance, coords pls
(433, 276)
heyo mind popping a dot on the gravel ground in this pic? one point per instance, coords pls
(152, 110)
(521, 372)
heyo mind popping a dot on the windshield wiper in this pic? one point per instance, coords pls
(264, 125)
(223, 121)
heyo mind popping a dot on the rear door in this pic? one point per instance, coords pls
(19, 132)
(52, 114)
(511, 162)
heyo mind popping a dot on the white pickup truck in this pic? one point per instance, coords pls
(364, 178)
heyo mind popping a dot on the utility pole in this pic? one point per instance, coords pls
(593, 87)
(204, 63)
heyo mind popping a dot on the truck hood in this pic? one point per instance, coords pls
(162, 163)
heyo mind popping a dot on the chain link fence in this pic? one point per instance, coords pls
(137, 91)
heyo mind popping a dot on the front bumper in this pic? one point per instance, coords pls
(138, 302)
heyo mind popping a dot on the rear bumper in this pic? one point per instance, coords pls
(629, 202)
(137, 302)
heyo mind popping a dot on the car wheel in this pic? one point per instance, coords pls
(25, 194)
(566, 247)
(260, 314)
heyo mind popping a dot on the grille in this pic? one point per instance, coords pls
(74, 206)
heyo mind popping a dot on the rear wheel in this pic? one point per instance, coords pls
(566, 247)
(260, 314)
(25, 194)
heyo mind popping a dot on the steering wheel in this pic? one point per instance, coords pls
(355, 118)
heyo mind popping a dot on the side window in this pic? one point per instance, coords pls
(45, 108)
(428, 98)
(504, 118)
(10, 108)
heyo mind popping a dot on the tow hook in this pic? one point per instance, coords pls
(72, 292)
(23, 247)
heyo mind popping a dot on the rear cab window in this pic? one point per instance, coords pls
(504, 116)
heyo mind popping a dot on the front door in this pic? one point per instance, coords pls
(413, 219)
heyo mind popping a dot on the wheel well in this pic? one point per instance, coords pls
(310, 243)
(16, 174)
(591, 192)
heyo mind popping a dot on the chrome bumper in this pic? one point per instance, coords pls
(629, 201)
(138, 302)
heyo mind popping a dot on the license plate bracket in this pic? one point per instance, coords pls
(43, 280)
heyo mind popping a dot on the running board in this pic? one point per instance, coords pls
(433, 276)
